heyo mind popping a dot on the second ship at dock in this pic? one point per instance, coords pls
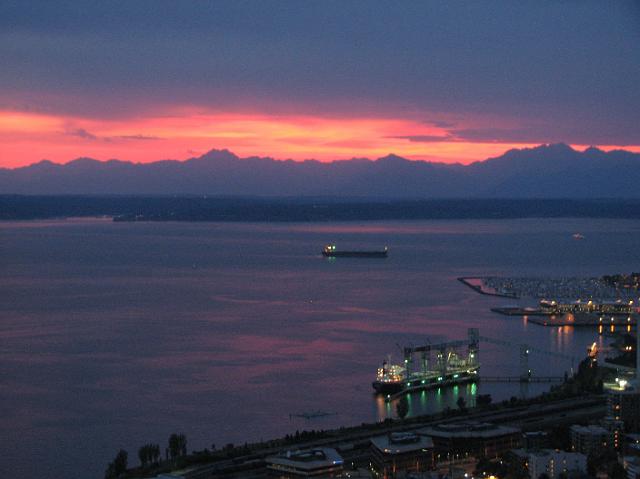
(449, 367)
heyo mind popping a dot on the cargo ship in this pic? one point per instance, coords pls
(448, 367)
(331, 251)
(392, 378)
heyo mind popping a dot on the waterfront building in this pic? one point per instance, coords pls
(400, 453)
(616, 428)
(624, 405)
(590, 439)
(553, 463)
(453, 441)
(323, 462)
(623, 398)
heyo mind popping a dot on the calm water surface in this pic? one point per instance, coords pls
(113, 335)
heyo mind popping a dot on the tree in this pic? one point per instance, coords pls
(118, 466)
(143, 455)
(462, 404)
(149, 454)
(182, 442)
(174, 448)
(156, 453)
(177, 445)
(402, 408)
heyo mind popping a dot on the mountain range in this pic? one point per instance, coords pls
(546, 171)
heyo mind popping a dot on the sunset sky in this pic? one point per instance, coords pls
(438, 81)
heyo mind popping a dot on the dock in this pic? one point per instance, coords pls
(606, 322)
(475, 283)
(423, 375)
(520, 379)
(518, 311)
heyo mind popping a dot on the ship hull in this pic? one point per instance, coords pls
(387, 388)
(355, 254)
(419, 383)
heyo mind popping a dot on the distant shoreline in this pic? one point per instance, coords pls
(303, 209)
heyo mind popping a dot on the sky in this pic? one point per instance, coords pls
(439, 81)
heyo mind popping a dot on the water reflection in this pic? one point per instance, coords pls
(562, 337)
(114, 323)
(428, 401)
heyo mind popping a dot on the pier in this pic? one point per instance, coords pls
(450, 368)
(477, 284)
(604, 322)
(519, 379)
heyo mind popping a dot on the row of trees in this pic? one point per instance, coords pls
(177, 445)
(149, 455)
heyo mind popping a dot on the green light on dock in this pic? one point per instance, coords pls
(408, 384)
(423, 381)
(455, 376)
(440, 378)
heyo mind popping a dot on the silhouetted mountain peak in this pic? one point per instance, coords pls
(555, 148)
(391, 158)
(218, 155)
(546, 171)
(84, 161)
(594, 151)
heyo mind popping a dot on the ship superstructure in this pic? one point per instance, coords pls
(431, 365)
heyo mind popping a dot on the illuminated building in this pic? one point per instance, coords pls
(623, 398)
(624, 405)
(590, 439)
(321, 462)
(400, 453)
(616, 429)
(472, 439)
(553, 463)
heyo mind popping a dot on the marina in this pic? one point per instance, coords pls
(563, 289)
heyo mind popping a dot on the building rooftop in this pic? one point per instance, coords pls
(307, 459)
(592, 429)
(468, 429)
(553, 452)
(398, 443)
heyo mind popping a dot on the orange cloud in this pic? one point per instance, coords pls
(26, 138)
